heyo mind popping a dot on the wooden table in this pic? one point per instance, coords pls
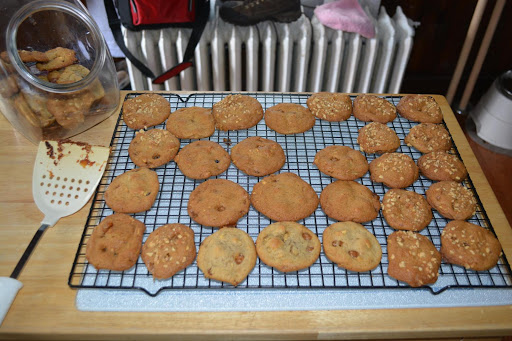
(45, 306)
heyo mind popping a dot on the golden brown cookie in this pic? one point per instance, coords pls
(133, 191)
(33, 56)
(429, 137)
(371, 108)
(330, 106)
(341, 162)
(289, 118)
(153, 148)
(38, 104)
(451, 200)
(413, 258)
(287, 246)
(258, 156)
(70, 109)
(406, 210)
(284, 197)
(351, 246)
(191, 123)
(58, 58)
(349, 201)
(228, 255)
(470, 246)
(145, 111)
(168, 250)
(202, 159)
(439, 166)
(218, 203)
(69, 74)
(377, 138)
(23, 109)
(420, 108)
(395, 170)
(115, 243)
(236, 112)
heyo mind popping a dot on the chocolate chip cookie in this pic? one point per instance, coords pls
(202, 159)
(191, 123)
(341, 162)
(153, 148)
(258, 156)
(289, 118)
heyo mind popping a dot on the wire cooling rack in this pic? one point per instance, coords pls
(300, 149)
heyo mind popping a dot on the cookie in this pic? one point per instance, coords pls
(69, 109)
(133, 191)
(115, 243)
(442, 166)
(406, 210)
(236, 112)
(202, 159)
(287, 246)
(349, 201)
(153, 148)
(58, 58)
(191, 123)
(451, 200)
(69, 74)
(470, 246)
(228, 255)
(413, 258)
(23, 109)
(145, 111)
(330, 106)
(377, 138)
(371, 108)
(395, 170)
(341, 162)
(429, 137)
(284, 197)
(218, 203)
(38, 104)
(289, 118)
(420, 108)
(258, 156)
(33, 56)
(168, 250)
(351, 246)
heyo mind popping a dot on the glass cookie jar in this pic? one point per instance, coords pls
(57, 77)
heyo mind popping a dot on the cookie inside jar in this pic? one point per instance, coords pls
(58, 77)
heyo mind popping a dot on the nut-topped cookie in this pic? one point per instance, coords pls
(202, 159)
(236, 112)
(115, 243)
(191, 123)
(349, 201)
(228, 255)
(442, 166)
(258, 156)
(145, 111)
(413, 258)
(470, 246)
(395, 170)
(169, 249)
(371, 108)
(330, 106)
(341, 162)
(406, 210)
(420, 108)
(289, 118)
(351, 246)
(452, 200)
(288, 246)
(284, 197)
(133, 191)
(218, 202)
(153, 148)
(429, 137)
(377, 138)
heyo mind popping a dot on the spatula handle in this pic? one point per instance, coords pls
(28, 251)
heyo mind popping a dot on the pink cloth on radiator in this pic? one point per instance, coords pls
(345, 15)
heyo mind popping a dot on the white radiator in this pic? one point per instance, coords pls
(300, 56)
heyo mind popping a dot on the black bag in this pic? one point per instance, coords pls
(137, 15)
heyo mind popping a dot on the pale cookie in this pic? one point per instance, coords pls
(351, 246)
(429, 137)
(58, 58)
(168, 250)
(413, 258)
(228, 255)
(145, 111)
(420, 108)
(288, 246)
(341, 162)
(289, 118)
(202, 159)
(153, 148)
(70, 109)
(406, 210)
(329, 106)
(441, 166)
(236, 112)
(258, 156)
(395, 170)
(451, 200)
(377, 138)
(191, 123)
(371, 108)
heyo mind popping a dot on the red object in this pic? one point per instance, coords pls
(147, 12)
